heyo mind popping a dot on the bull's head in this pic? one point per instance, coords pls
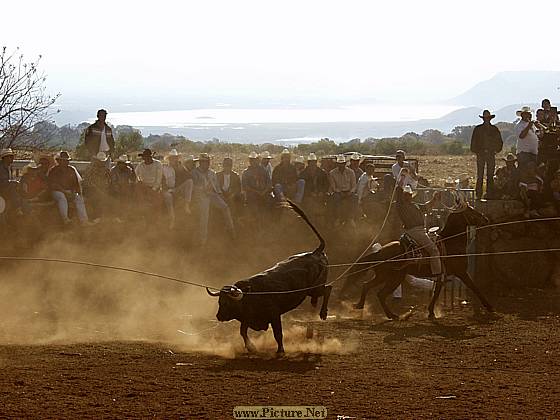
(229, 302)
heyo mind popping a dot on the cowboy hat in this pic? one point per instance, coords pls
(355, 156)
(146, 152)
(62, 155)
(190, 158)
(312, 156)
(204, 156)
(524, 110)
(449, 182)
(486, 114)
(300, 159)
(173, 152)
(253, 155)
(266, 155)
(6, 152)
(399, 152)
(123, 159)
(286, 152)
(510, 157)
(101, 156)
(340, 159)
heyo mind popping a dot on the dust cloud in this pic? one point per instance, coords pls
(56, 303)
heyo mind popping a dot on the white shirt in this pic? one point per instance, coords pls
(150, 175)
(227, 178)
(103, 145)
(408, 180)
(169, 175)
(366, 183)
(529, 144)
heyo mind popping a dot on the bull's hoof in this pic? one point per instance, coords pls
(323, 315)
(358, 306)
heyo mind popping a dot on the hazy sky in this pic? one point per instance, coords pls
(410, 51)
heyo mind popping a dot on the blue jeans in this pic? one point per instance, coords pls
(61, 199)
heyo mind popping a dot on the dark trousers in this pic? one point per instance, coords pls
(488, 160)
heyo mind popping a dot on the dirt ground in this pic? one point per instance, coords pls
(456, 367)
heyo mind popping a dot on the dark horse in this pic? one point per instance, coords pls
(390, 272)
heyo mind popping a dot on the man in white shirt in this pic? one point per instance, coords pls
(411, 177)
(527, 140)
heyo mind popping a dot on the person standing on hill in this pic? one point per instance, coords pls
(99, 137)
(486, 141)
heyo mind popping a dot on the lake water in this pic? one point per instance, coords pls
(226, 116)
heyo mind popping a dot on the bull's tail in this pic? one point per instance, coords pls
(301, 213)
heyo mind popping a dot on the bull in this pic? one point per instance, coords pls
(261, 300)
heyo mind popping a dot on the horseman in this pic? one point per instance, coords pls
(412, 216)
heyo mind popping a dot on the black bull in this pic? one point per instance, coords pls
(390, 272)
(260, 300)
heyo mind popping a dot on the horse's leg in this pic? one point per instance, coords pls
(365, 289)
(435, 296)
(468, 281)
(386, 290)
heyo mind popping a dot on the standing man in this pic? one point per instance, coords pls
(527, 140)
(486, 141)
(355, 165)
(176, 182)
(400, 166)
(206, 193)
(266, 157)
(99, 136)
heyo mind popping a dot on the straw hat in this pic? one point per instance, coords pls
(300, 159)
(355, 156)
(204, 156)
(173, 153)
(253, 155)
(340, 159)
(524, 110)
(285, 152)
(266, 155)
(312, 156)
(123, 159)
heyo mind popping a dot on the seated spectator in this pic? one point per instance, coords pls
(149, 173)
(97, 179)
(256, 186)
(284, 177)
(34, 184)
(65, 185)
(367, 189)
(316, 188)
(531, 190)
(9, 188)
(507, 178)
(177, 182)
(343, 193)
(123, 180)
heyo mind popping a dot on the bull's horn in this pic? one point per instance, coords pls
(213, 294)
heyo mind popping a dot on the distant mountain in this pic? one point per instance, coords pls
(512, 87)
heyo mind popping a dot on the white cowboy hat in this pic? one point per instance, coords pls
(266, 155)
(312, 156)
(6, 152)
(510, 157)
(123, 159)
(355, 156)
(173, 152)
(253, 155)
(340, 159)
(523, 110)
(286, 152)
(101, 156)
(300, 159)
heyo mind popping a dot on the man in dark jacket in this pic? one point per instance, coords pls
(230, 184)
(99, 136)
(486, 141)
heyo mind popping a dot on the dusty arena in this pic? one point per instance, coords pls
(93, 342)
